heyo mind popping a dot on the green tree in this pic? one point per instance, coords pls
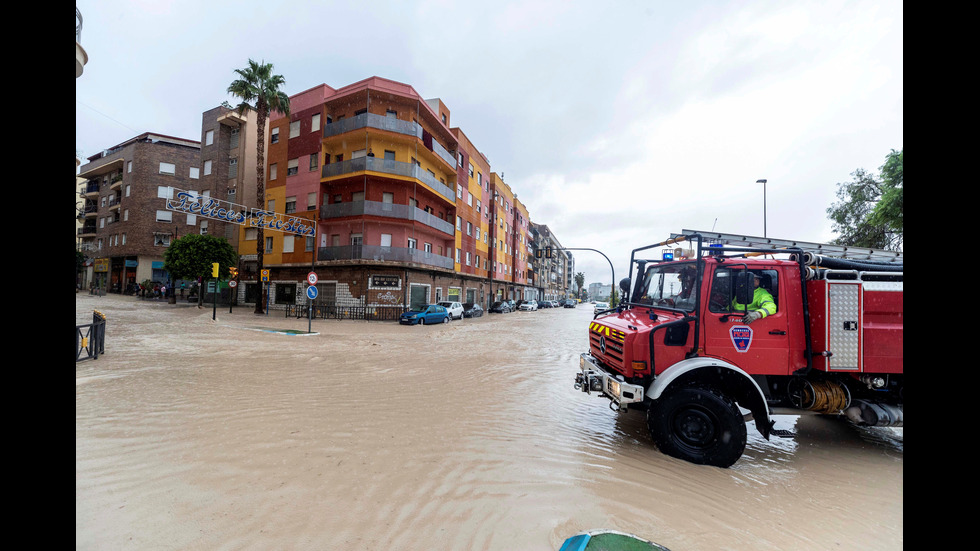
(192, 256)
(870, 209)
(260, 90)
(580, 282)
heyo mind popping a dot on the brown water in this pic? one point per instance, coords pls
(200, 434)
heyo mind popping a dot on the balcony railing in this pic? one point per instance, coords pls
(385, 210)
(387, 166)
(384, 254)
(390, 124)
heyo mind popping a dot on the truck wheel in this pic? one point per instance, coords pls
(698, 424)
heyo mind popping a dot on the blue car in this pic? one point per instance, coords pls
(427, 315)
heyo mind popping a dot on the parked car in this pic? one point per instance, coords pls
(455, 309)
(501, 307)
(570, 303)
(555, 304)
(512, 304)
(545, 304)
(529, 305)
(472, 310)
(600, 306)
(427, 315)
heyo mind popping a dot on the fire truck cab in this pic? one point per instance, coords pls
(685, 346)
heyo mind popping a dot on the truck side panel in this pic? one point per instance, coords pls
(883, 327)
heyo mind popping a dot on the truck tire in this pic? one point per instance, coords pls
(698, 424)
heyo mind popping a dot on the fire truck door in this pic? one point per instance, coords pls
(761, 347)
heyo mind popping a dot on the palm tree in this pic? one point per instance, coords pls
(580, 282)
(259, 90)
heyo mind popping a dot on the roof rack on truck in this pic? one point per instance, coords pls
(830, 250)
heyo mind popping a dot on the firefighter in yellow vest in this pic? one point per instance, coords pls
(762, 304)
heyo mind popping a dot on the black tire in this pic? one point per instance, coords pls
(699, 425)
(446, 319)
(421, 321)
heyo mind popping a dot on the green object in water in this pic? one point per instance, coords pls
(608, 540)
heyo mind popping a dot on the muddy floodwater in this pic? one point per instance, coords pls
(193, 433)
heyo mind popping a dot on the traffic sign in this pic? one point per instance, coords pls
(233, 284)
(311, 292)
(311, 278)
(265, 275)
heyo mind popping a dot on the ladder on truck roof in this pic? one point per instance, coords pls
(836, 251)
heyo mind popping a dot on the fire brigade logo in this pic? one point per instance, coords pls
(741, 337)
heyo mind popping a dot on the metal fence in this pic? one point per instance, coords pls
(90, 338)
(330, 311)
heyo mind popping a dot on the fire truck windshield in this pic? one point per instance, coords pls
(671, 285)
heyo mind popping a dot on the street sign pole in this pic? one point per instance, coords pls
(311, 293)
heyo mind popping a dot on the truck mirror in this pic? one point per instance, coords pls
(744, 288)
(624, 285)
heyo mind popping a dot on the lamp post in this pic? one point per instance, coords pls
(763, 182)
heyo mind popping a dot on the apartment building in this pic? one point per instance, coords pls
(406, 208)
(126, 226)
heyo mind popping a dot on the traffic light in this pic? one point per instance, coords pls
(233, 273)
(548, 252)
(538, 253)
(214, 269)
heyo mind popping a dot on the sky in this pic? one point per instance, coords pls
(616, 123)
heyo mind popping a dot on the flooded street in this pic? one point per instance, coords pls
(200, 434)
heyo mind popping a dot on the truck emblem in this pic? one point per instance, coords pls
(602, 344)
(741, 337)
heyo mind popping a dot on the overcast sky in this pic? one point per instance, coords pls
(615, 122)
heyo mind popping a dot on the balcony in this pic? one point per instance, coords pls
(385, 254)
(385, 210)
(389, 124)
(384, 166)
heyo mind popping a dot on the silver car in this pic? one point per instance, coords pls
(455, 309)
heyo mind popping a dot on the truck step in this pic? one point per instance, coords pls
(782, 433)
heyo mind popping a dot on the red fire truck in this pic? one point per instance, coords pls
(685, 345)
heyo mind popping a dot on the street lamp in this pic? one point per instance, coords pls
(763, 182)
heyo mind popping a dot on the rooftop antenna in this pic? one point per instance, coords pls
(713, 225)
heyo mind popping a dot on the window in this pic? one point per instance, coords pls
(428, 247)
(315, 122)
(391, 114)
(164, 216)
(124, 239)
(209, 137)
(358, 154)
(314, 161)
(270, 205)
(311, 200)
(389, 155)
(288, 243)
(251, 234)
(467, 259)
(161, 239)
(125, 215)
(290, 205)
(191, 219)
(204, 227)
(273, 171)
(207, 167)
(165, 192)
(459, 223)
(233, 166)
(477, 233)
(387, 199)
(357, 196)
(469, 228)
(469, 198)
(356, 239)
(471, 170)
(386, 240)
(127, 190)
(728, 284)
(457, 255)
(268, 244)
(294, 129)
(274, 136)
(129, 166)
(412, 243)
(292, 167)
(309, 244)
(168, 168)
